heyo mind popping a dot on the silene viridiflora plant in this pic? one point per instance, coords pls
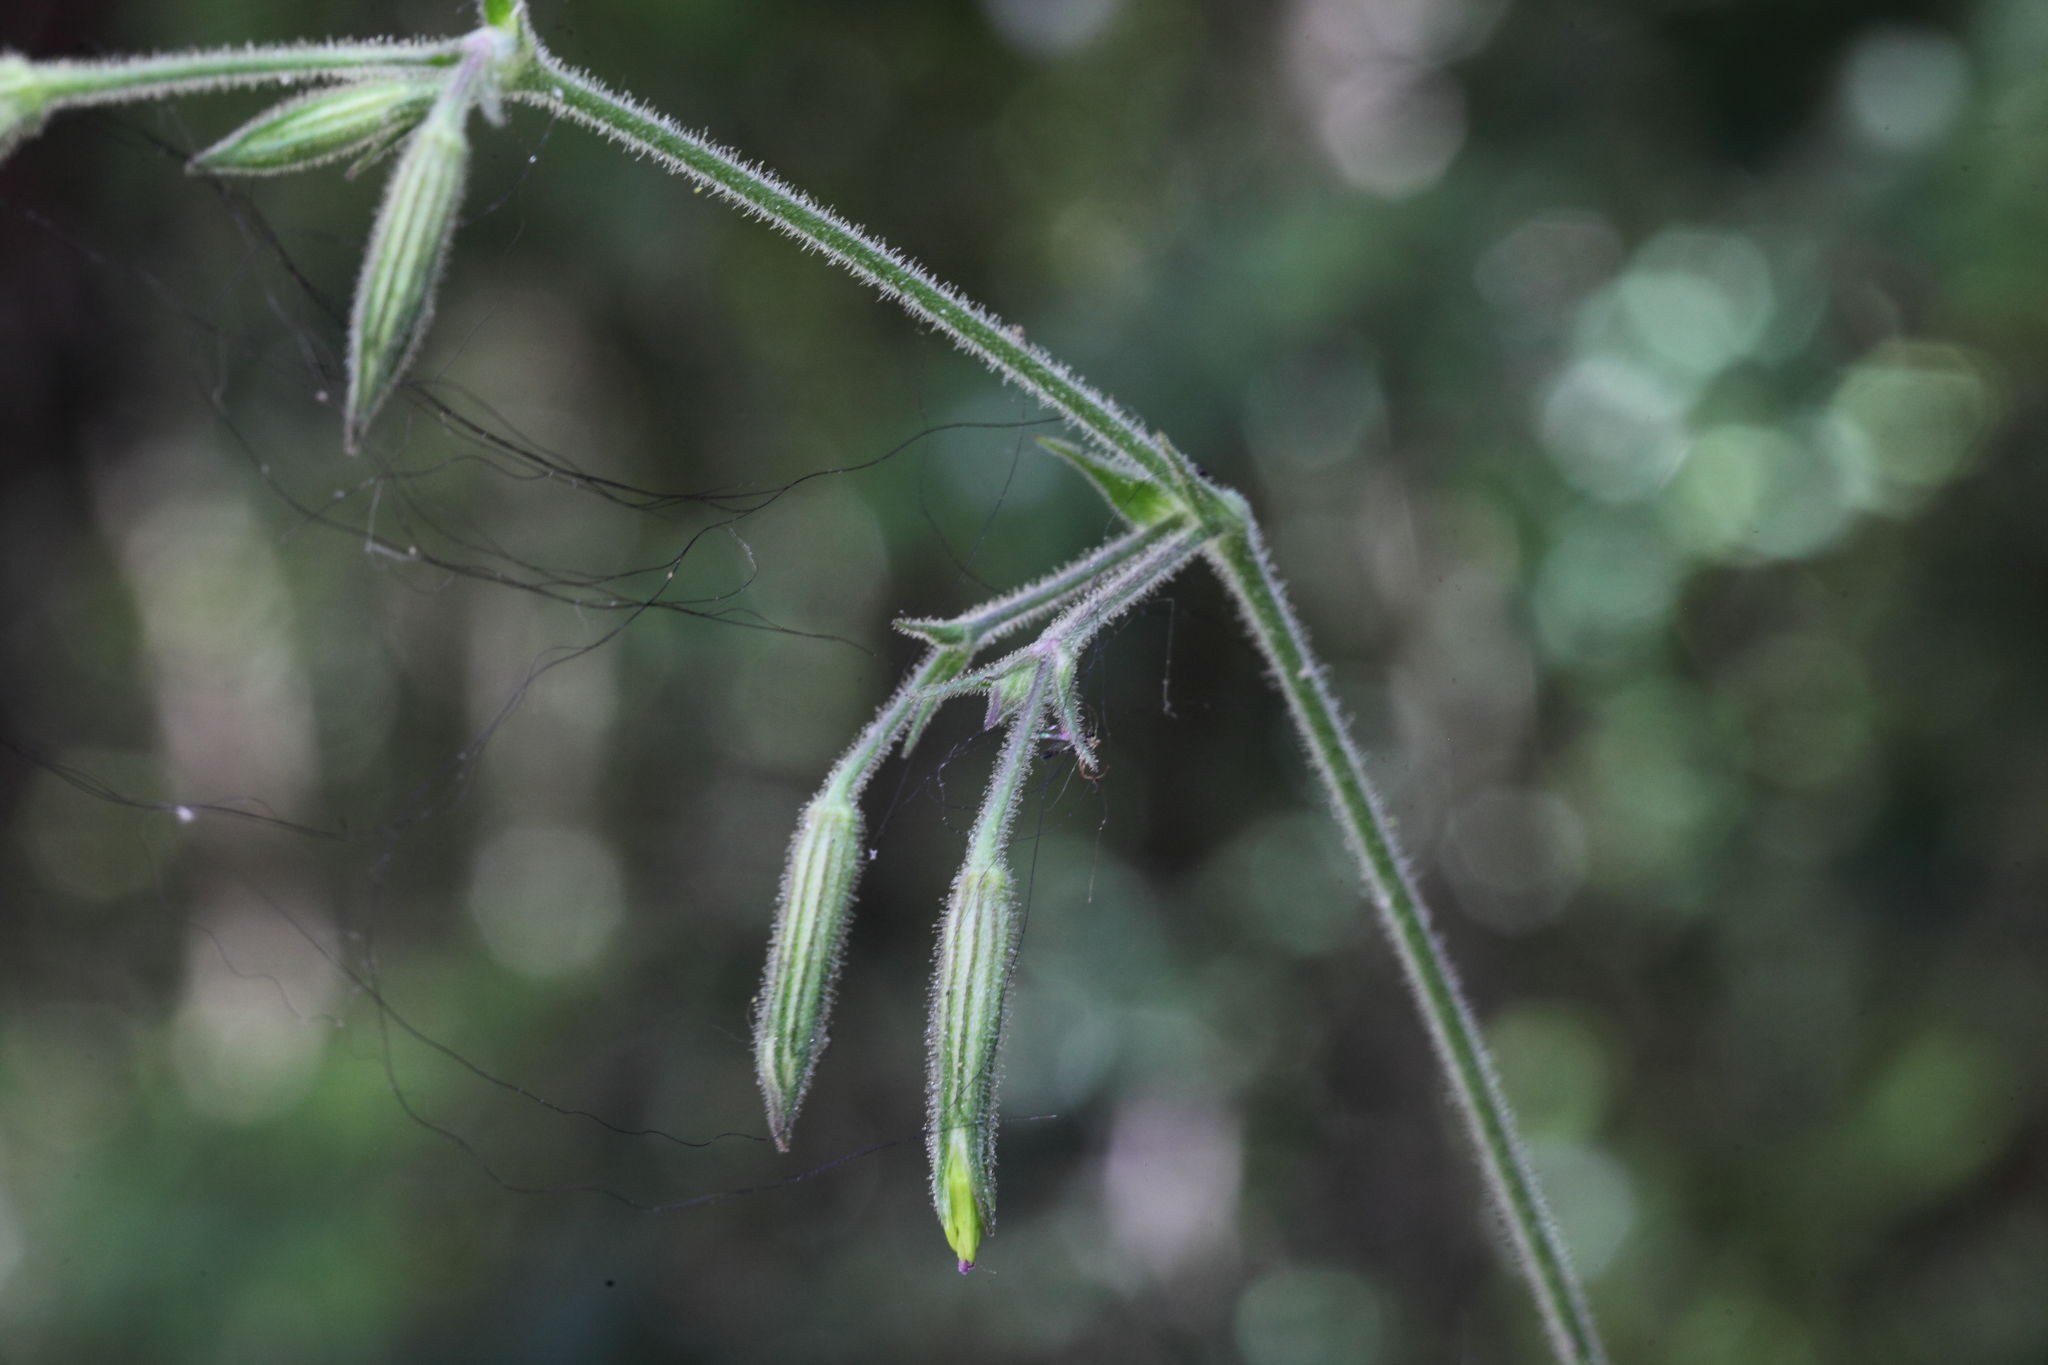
(416, 105)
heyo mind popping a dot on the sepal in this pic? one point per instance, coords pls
(1133, 498)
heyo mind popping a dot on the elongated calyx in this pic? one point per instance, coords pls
(408, 247)
(803, 956)
(977, 947)
(21, 102)
(361, 119)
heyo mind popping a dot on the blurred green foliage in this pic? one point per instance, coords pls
(1645, 400)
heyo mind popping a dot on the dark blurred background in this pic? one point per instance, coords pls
(1645, 399)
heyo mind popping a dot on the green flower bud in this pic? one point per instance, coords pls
(325, 125)
(408, 247)
(803, 956)
(977, 948)
(1007, 693)
(21, 102)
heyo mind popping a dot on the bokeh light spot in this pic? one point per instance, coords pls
(1941, 1110)
(1515, 857)
(547, 899)
(1286, 878)
(1315, 410)
(1171, 1180)
(1548, 261)
(1311, 1315)
(1701, 298)
(1049, 27)
(1713, 504)
(251, 1029)
(1902, 88)
(1604, 583)
(1615, 427)
(1750, 492)
(1554, 1068)
(1909, 418)
(1592, 1199)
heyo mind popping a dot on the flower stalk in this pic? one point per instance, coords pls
(1176, 512)
(50, 87)
(812, 916)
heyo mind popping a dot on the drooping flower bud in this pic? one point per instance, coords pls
(360, 119)
(803, 957)
(408, 247)
(977, 949)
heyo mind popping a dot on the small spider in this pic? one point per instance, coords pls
(1055, 739)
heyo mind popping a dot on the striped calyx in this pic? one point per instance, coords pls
(408, 247)
(361, 119)
(977, 946)
(21, 102)
(803, 956)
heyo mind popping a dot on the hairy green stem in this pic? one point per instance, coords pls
(1006, 782)
(1117, 594)
(1114, 593)
(999, 616)
(76, 84)
(1003, 348)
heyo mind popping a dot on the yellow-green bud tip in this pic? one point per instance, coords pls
(21, 102)
(961, 1215)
